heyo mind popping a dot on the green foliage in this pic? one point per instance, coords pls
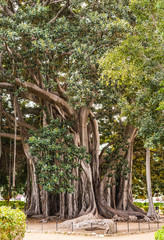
(146, 208)
(57, 156)
(141, 204)
(68, 49)
(18, 204)
(12, 223)
(138, 204)
(139, 170)
(162, 209)
(6, 173)
(159, 235)
(135, 70)
(114, 160)
(158, 204)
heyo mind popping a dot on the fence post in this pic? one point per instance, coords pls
(128, 226)
(149, 225)
(116, 227)
(72, 226)
(56, 225)
(27, 224)
(42, 226)
(139, 226)
(157, 225)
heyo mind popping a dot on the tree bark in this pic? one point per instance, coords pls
(126, 181)
(34, 208)
(83, 121)
(15, 140)
(151, 211)
(44, 194)
(0, 124)
(10, 168)
(62, 205)
(45, 202)
(46, 96)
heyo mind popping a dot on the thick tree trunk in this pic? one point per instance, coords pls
(10, 168)
(70, 205)
(0, 124)
(151, 211)
(28, 191)
(15, 140)
(75, 196)
(34, 208)
(62, 205)
(127, 186)
(92, 196)
(43, 193)
(83, 133)
(131, 171)
(120, 200)
(45, 202)
(125, 191)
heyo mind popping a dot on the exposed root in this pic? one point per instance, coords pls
(68, 223)
(135, 208)
(105, 224)
(109, 212)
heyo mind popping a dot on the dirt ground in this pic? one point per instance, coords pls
(44, 236)
(126, 231)
(120, 227)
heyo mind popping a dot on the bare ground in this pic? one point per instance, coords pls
(44, 236)
(126, 231)
(120, 227)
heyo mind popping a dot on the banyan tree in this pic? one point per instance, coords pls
(49, 52)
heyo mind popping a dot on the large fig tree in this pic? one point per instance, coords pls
(49, 52)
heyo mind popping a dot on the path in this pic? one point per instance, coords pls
(44, 236)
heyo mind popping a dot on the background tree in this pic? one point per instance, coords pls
(135, 70)
(6, 172)
(139, 170)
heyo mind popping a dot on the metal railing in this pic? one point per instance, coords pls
(119, 227)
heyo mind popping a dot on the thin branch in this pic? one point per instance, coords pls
(9, 51)
(6, 85)
(20, 118)
(91, 102)
(17, 54)
(71, 12)
(60, 112)
(32, 110)
(19, 123)
(57, 1)
(104, 149)
(69, 53)
(46, 3)
(1, 54)
(7, 11)
(61, 90)
(46, 95)
(9, 135)
(29, 96)
(58, 14)
(33, 76)
(12, 6)
(104, 45)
